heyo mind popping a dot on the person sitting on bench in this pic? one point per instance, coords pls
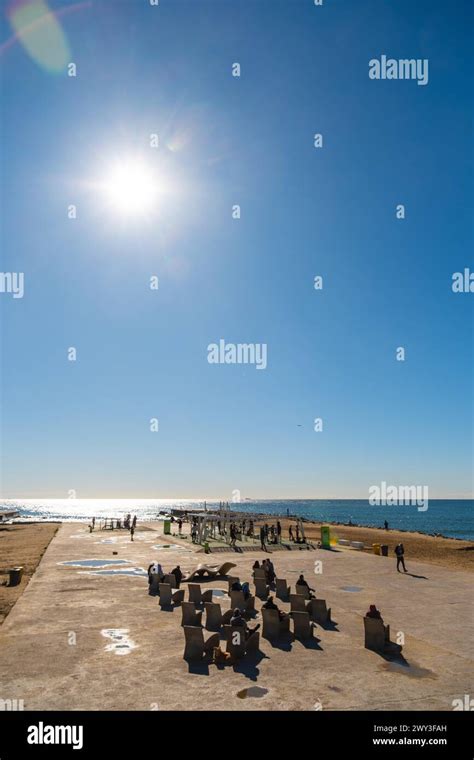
(236, 586)
(374, 613)
(246, 590)
(270, 605)
(301, 582)
(237, 621)
(155, 569)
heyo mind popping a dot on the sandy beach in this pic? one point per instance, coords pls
(21, 545)
(446, 552)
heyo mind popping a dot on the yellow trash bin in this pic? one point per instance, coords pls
(376, 548)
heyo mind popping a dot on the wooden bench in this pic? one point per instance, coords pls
(213, 616)
(189, 614)
(196, 646)
(273, 627)
(377, 637)
(167, 598)
(302, 627)
(297, 603)
(236, 643)
(282, 589)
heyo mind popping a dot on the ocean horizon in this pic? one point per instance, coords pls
(452, 518)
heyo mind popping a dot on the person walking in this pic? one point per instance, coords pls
(279, 531)
(400, 552)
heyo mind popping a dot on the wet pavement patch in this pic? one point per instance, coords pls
(94, 562)
(133, 571)
(219, 592)
(352, 589)
(121, 643)
(252, 691)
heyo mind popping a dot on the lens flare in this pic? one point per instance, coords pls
(40, 33)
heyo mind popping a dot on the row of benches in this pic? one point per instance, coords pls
(304, 612)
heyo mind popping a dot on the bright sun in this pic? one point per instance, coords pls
(130, 188)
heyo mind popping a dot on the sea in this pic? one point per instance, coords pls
(453, 518)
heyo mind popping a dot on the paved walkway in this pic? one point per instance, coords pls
(59, 647)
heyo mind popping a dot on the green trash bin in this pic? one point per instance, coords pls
(384, 549)
(325, 536)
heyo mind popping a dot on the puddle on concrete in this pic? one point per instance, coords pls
(133, 571)
(94, 562)
(412, 670)
(121, 643)
(107, 541)
(252, 691)
(353, 589)
(218, 592)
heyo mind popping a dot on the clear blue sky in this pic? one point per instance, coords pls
(225, 140)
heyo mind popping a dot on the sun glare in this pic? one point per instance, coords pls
(130, 188)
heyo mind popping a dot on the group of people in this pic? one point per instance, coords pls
(268, 567)
(244, 587)
(155, 570)
(270, 535)
(128, 524)
(296, 536)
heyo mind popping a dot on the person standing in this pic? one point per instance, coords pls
(279, 531)
(178, 575)
(400, 552)
(262, 539)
